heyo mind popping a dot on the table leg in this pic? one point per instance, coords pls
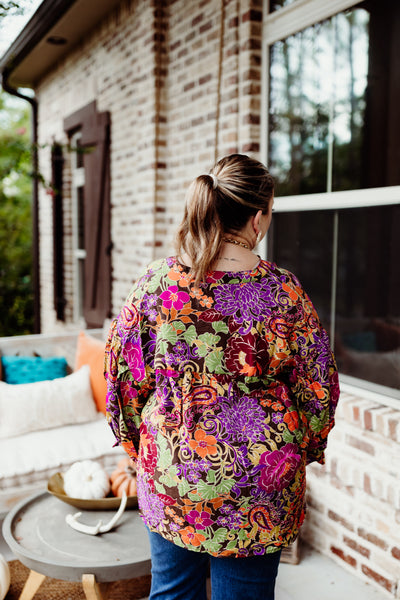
(92, 589)
(32, 584)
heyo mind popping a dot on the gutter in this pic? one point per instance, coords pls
(35, 196)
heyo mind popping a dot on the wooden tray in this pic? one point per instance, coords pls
(55, 486)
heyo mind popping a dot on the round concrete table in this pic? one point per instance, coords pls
(36, 532)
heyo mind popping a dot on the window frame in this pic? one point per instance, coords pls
(79, 254)
(95, 128)
(277, 26)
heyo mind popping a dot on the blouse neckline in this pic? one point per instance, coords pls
(246, 272)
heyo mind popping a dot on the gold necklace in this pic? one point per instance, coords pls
(237, 243)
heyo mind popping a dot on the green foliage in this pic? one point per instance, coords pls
(10, 8)
(16, 293)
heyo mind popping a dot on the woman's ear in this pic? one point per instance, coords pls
(256, 222)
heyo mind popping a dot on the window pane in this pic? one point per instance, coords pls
(302, 243)
(299, 111)
(367, 340)
(365, 303)
(79, 153)
(81, 218)
(333, 119)
(277, 4)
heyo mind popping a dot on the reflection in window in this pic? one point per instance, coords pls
(317, 105)
(361, 309)
(302, 243)
(368, 309)
(277, 4)
(80, 251)
(333, 119)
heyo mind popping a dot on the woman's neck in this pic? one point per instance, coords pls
(231, 258)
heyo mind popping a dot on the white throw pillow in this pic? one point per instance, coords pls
(27, 407)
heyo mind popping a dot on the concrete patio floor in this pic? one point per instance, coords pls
(316, 577)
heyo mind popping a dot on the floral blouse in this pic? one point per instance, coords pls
(222, 393)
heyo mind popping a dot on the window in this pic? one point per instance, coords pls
(277, 4)
(78, 227)
(331, 94)
(57, 166)
(89, 134)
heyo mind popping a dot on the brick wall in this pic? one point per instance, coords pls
(182, 83)
(354, 499)
(178, 99)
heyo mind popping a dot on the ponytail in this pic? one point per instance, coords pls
(219, 204)
(201, 232)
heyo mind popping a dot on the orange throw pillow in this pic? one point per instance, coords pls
(90, 351)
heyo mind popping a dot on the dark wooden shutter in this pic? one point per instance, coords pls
(95, 141)
(57, 163)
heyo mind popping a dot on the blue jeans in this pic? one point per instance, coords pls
(180, 574)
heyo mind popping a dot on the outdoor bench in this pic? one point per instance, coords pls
(48, 425)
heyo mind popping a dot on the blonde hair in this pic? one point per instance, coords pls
(220, 203)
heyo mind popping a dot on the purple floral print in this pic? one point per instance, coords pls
(279, 468)
(221, 393)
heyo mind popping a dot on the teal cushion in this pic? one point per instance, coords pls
(28, 369)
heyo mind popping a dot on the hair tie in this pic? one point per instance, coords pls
(215, 180)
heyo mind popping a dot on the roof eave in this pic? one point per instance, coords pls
(48, 13)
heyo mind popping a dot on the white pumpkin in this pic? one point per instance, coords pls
(4, 577)
(86, 479)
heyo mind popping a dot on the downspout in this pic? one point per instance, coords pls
(35, 196)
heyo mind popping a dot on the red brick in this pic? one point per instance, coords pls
(251, 119)
(251, 75)
(251, 147)
(252, 15)
(346, 557)
(354, 546)
(396, 553)
(360, 444)
(233, 22)
(251, 89)
(183, 52)
(338, 519)
(356, 413)
(367, 484)
(197, 19)
(189, 37)
(206, 27)
(205, 79)
(393, 428)
(251, 44)
(233, 50)
(380, 579)
(232, 150)
(371, 537)
(189, 86)
(368, 420)
(214, 35)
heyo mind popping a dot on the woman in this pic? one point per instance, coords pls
(222, 387)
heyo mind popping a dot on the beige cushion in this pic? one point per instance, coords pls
(37, 455)
(28, 407)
